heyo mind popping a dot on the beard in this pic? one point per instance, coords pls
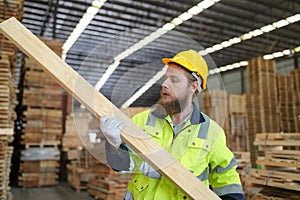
(172, 106)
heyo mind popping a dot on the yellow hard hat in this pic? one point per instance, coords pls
(192, 61)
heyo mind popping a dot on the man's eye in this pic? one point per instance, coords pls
(174, 79)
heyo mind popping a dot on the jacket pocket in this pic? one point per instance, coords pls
(140, 183)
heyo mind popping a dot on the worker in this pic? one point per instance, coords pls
(176, 123)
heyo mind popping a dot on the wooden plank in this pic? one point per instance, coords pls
(97, 104)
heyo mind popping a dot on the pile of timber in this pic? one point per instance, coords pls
(279, 167)
(42, 125)
(295, 73)
(237, 137)
(287, 103)
(77, 156)
(8, 61)
(106, 183)
(215, 105)
(6, 137)
(261, 102)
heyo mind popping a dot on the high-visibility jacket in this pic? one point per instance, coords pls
(200, 147)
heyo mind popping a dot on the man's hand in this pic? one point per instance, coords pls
(111, 127)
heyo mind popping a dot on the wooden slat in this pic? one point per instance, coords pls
(96, 103)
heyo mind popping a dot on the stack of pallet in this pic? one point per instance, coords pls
(106, 183)
(6, 137)
(42, 125)
(261, 104)
(295, 74)
(287, 103)
(215, 104)
(76, 132)
(237, 116)
(8, 61)
(279, 168)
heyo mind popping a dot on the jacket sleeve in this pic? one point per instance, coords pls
(223, 177)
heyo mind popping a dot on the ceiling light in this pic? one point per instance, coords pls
(168, 26)
(217, 47)
(286, 52)
(206, 4)
(203, 52)
(277, 54)
(297, 49)
(246, 36)
(185, 16)
(92, 10)
(176, 21)
(256, 32)
(195, 10)
(236, 65)
(226, 44)
(98, 3)
(222, 69)
(268, 57)
(294, 18)
(244, 63)
(280, 23)
(209, 50)
(267, 28)
(106, 75)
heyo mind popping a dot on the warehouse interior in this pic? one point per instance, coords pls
(51, 143)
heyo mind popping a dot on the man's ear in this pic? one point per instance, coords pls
(195, 85)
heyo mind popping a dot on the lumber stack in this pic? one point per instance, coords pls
(6, 137)
(106, 183)
(287, 103)
(295, 74)
(42, 125)
(261, 103)
(215, 105)
(279, 167)
(8, 61)
(237, 117)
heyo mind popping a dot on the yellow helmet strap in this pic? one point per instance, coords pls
(199, 81)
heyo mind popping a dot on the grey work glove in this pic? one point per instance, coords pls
(111, 127)
(149, 171)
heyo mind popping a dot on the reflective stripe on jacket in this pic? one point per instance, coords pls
(200, 147)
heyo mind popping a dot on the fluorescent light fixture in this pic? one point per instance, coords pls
(297, 49)
(145, 87)
(185, 16)
(294, 18)
(195, 10)
(168, 26)
(246, 36)
(225, 44)
(203, 52)
(176, 21)
(244, 63)
(257, 32)
(267, 28)
(286, 52)
(217, 47)
(280, 23)
(206, 4)
(277, 54)
(81, 26)
(209, 50)
(268, 57)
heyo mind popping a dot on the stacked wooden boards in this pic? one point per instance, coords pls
(6, 151)
(42, 125)
(279, 167)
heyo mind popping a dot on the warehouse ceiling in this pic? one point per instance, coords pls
(120, 24)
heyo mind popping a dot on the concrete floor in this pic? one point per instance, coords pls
(59, 192)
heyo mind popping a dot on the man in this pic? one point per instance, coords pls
(176, 123)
